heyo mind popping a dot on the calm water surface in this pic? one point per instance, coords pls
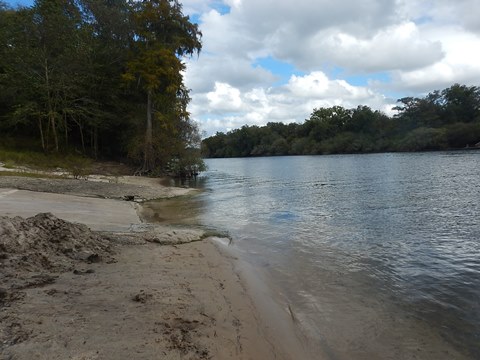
(377, 255)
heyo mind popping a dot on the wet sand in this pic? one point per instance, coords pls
(171, 293)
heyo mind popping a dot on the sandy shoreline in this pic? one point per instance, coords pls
(154, 301)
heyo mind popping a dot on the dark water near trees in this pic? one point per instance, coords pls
(377, 255)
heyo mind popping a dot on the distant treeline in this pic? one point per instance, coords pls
(441, 120)
(100, 78)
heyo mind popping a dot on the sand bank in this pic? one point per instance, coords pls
(151, 294)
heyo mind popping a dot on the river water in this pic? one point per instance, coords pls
(376, 256)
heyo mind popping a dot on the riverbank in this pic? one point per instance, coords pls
(149, 292)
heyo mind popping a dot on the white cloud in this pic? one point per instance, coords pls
(417, 45)
(202, 74)
(315, 84)
(462, 13)
(399, 47)
(233, 3)
(224, 98)
(460, 63)
(292, 102)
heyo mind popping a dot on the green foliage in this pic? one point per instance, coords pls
(76, 75)
(441, 120)
(163, 35)
(460, 135)
(78, 167)
(462, 103)
(41, 161)
(347, 142)
(186, 167)
(424, 139)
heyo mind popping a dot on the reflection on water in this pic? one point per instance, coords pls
(379, 255)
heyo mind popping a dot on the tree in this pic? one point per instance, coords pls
(46, 69)
(78, 73)
(6, 22)
(162, 36)
(327, 122)
(462, 103)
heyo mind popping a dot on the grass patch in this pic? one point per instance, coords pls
(77, 166)
(8, 165)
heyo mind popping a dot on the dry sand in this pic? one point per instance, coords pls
(147, 292)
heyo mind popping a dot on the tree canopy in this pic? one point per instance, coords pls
(101, 78)
(441, 120)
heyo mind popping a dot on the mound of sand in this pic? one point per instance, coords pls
(33, 250)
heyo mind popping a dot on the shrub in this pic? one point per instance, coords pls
(460, 135)
(423, 139)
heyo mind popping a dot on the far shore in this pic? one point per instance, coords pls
(153, 292)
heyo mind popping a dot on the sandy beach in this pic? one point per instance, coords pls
(113, 287)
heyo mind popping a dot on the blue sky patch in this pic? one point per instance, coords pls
(221, 8)
(364, 80)
(282, 69)
(195, 18)
(15, 3)
(423, 20)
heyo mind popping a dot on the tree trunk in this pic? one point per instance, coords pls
(149, 163)
(51, 115)
(82, 138)
(41, 133)
(54, 130)
(66, 130)
(94, 141)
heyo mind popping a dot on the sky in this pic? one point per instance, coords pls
(277, 60)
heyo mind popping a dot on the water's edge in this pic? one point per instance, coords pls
(374, 256)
